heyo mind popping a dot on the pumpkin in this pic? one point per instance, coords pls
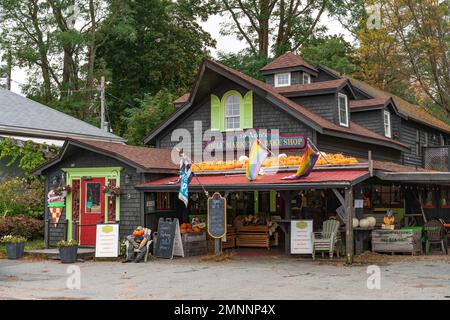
(355, 223)
(372, 221)
(364, 223)
(138, 233)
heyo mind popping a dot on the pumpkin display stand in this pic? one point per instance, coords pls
(194, 244)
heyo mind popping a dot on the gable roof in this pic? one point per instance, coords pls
(354, 131)
(373, 104)
(287, 60)
(314, 88)
(409, 110)
(23, 116)
(142, 158)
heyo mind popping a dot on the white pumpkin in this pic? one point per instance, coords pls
(364, 223)
(372, 221)
(355, 223)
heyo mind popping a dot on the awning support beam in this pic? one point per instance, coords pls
(339, 196)
(350, 213)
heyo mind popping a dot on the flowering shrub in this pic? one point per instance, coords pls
(20, 196)
(12, 239)
(64, 243)
(21, 225)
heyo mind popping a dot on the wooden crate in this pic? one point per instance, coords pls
(244, 229)
(408, 241)
(194, 244)
(253, 240)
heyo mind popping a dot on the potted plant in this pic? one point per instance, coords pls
(68, 251)
(112, 191)
(15, 246)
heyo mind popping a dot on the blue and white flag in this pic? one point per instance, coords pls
(186, 176)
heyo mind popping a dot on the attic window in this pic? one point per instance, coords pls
(387, 124)
(343, 109)
(306, 78)
(282, 79)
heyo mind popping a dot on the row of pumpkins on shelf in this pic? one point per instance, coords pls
(281, 160)
(368, 222)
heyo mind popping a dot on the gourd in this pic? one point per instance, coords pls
(355, 223)
(372, 221)
(364, 223)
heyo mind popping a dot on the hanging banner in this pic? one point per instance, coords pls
(301, 236)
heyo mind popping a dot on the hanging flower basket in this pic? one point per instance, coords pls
(112, 191)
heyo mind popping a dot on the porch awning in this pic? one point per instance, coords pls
(431, 177)
(238, 182)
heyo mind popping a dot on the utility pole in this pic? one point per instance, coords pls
(8, 69)
(102, 103)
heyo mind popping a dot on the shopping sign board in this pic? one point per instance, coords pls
(242, 141)
(107, 241)
(217, 216)
(301, 236)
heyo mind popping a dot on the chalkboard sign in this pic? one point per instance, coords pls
(217, 216)
(168, 237)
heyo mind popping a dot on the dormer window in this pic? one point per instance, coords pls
(343, 109)
(387, 124)
(306, 78)
(282, 79)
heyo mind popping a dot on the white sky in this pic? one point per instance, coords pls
(227, 43)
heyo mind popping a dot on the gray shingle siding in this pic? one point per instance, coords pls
(372, 120)
(265, 116)
(130, 211)
(324, 105)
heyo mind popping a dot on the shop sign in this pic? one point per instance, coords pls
(217, 216)
(301, 236)
(241, 141)
(168, 241)
(107, 241)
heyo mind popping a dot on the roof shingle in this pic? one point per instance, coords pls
(287, 60)
(312, 87)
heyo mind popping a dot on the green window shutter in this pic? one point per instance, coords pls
(247, 111)
(217, 114)
(273, 201)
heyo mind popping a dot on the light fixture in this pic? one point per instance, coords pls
(127, 179)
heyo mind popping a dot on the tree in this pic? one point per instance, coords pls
(277, 25)
(331, 51)
(413, 46)
(152, 111)
(153, 45)
(244, 62)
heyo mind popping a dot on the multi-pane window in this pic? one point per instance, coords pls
(417, 142)
(306, 78)
(387, 124)
(426, 139)
(282, 79)
(343, 109)
(232, 109)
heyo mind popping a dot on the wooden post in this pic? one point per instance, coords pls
(349, 208)
(217, 246)
(287, 197)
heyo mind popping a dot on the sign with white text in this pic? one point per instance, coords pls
(301, 236)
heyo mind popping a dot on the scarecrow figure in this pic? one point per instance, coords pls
(137, 240)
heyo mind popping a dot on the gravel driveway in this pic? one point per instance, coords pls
(239, 278)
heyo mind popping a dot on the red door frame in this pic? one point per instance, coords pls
(89, 221)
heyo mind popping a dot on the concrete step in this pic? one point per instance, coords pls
(53, 253)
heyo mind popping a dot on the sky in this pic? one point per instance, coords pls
(227, 43)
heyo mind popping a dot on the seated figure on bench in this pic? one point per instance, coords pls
(137, 240)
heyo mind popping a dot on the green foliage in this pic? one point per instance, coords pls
(153, 45)
(64, 243)
(23, 226)
(331, 51)
(152, 110)
(28, 156)
(244, 62)
(20, 196)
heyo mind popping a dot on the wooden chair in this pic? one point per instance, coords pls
(147, 245)
(436, 234)
(326, 240)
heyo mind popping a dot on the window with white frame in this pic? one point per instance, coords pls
(387, 124)
(306, 78)
(282, 79)
(343, 109)
(427, 140)
(232, 112)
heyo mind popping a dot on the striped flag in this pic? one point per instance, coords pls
(257, 155)
(307, 163)
(186, 176)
